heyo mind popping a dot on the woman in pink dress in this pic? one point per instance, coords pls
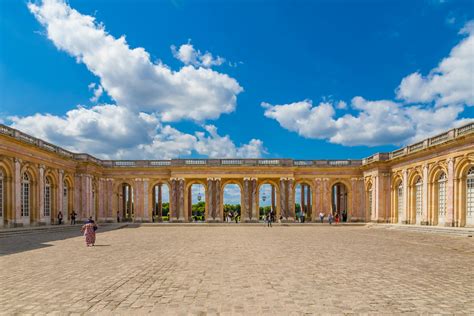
(89, 229)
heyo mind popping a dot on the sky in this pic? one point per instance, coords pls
(236, 79)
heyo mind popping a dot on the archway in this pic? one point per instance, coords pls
(339, 201)
(25, 198)
(68, 198)
(232, 201)
(267, 200)
(303, 202)
(161, 202)
(196, 202)
(470, 197)
(48, 198)
(397, 206)
(127, 205)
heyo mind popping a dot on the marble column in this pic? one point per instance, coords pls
(254, 196)
(283, 200)
(217, 207)
(450, 197)
(291, 199)
(146, 210)
(309, 213)
(160, 203)
(61, 196)
(404, 218)
(181, 200)
(424, 215)
(245, 210)
(174, 200)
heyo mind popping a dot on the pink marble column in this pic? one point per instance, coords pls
(291, 199)
(283, 201)
(41, 185)
(17, 188)
(245, 211)
(450, 216)
(255, 212)
(404, 219)
(424, 217)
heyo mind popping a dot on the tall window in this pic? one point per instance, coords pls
(47, 198)
(418, 197)
(442, 195)
(370, 201)
(470, 194)
(25, 195)
(1, 193)
(400, 199)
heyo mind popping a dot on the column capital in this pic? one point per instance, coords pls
(41, 166)
(61, 171)
(18, 160)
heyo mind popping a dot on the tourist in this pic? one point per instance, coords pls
(73, 218)
(118, 217)
(89, 229)
(330, 218)
(303, 216)
(60, 218)
(337, 218)
(321, 217)
(269, 219)
(344, 216)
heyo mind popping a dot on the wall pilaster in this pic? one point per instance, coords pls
(17, 221)
(41, 185)
(424, 217)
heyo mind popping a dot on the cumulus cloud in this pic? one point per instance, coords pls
(147, 96)
(114, 132)
(452, 82)
(426, 106)
(130, 78)
(190, 56)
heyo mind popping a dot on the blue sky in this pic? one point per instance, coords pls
(291, 79)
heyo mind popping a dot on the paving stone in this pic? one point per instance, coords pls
(238, 270)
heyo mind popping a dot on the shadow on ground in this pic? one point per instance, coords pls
(31, 240)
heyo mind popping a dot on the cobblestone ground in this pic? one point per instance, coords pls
(241, 270)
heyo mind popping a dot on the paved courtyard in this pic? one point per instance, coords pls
(239, 270)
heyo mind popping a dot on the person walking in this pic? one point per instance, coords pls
(73, 218)
(330, 218)
(269, 219)
(89, 229)
(321, 217)
(60, 218)
(337, 218)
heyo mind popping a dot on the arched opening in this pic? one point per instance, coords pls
(47, 199)
(400, 201)
(470, 197)
(65, 192)
(339, 201)
(232, 198)
(25, 198)
(267, 201)
(417, 200)
(161, 203)
(196, 202)
(303, 202)
(2, 199)
(441, 200)
(127, 204)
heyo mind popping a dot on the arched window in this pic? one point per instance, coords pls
(47, 198)
(65, 198)
(442, 195)
(400, 199)
(419, 197)
(470, 195)
(25, 195)
(1, 193)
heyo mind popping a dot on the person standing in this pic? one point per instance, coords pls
(89, 229)
(337, 218)
(269, 219)
(60, 218)
(73, 218)
(330, 218)
(321, 217)
(118, 217)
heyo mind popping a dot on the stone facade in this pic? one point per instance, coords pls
(425, 184)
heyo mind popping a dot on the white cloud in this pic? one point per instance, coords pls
(114, 132)
(190, 56)
(428, 105)
(97, 91)
(452, 82)
(128, 75)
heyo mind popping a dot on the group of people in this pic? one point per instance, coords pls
(333, 218)
(232, 216)
(73, 218)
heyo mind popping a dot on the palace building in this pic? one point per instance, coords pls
(427, 183)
